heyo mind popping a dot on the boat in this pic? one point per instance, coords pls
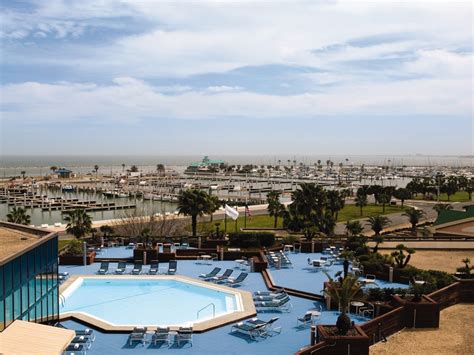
(68, 188)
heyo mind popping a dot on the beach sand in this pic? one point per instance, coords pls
(454, 336)
(443, 260)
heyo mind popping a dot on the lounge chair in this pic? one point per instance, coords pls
(138, 334)
(162, 335)
(154, 268)
(283, 305)
(305, 320)
(213, 273)
(86, 332)
(268, 325)
(237, 281)
(270, 293)
(273, 297)
(104, 268)
(185, 335)
(83, 340)
(137, 269)
(121, 267)
(222, 277)
(75, 348)
(172, 267)
(251, 330)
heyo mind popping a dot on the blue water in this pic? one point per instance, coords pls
(147, 302)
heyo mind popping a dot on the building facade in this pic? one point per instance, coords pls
(29, 287)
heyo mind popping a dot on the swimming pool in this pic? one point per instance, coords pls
(148, 301)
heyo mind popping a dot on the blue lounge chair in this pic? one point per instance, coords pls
(83, 340)
(137, 269)
(270, 293)
(268, 325)
(273, 297)
(154, 268)
(213, 273)
(237, 281)
(86, 332)
(138, 334)
(253, 331)
(283, 305)
(172, 267)
(121, 267)
(222, 277)
(75, 349)
(104, 268)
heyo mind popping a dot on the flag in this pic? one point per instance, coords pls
(247, 211)
(231, 212)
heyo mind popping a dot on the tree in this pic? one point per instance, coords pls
(469, 188)
(354, 228)
(194, 203)
(18, 215)
(213, 206)
(53, 168)
(378, 223)
(450, 187)
(439, 207)
(96, 169)
(378, 239)
(402, 194)
(123, 167)
(467, 268)
(400, 257)
(384, 198)
(361, 201)
(343, 292)
(79, 223)
(23, 173)
(106, 230)
(414, 217)
(335, 202)
(160, 168)
(275, 207)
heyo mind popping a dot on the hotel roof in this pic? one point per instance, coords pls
(17, 239)
(449, 216)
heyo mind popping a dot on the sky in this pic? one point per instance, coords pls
(205, 77)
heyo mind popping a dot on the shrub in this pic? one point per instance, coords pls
(384, 294)
(251, 240)
(291, 239)
(75, 247)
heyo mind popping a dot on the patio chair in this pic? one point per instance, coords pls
(138, 334)
(222, 277)
(213, 273)
(73, 349)
(237, 281)
(86, 332)
(185, 335)
(251, 330)
(104, 268)
(305, 320)
(154, 267)
(271, 297)
(172, 267)
(268, 325)
(283, 305)
(369, 279)
(137, 269)
(270, 293)
(162, 335)
(121, 267)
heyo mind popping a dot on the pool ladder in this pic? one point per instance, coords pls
(62, 300)
(203, 308)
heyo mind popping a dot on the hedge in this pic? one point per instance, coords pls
(251, 239)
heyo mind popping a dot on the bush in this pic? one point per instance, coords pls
(251, 240)
(75, 247)
(384, 294)
(291, 239)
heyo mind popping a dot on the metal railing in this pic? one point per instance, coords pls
(203, 308)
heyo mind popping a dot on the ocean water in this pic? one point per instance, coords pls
(40, 165)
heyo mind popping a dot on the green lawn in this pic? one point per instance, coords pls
(265, 221)
(63, 243)
(460, 196)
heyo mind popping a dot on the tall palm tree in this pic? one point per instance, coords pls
(23, 173)
(275, 207)
(384, 198)
(335, 202)
(19, 216)
(79, 223)
(439, 207)
(123, 167)
(194, 203)
(96, 169)
(414, 217)
(361, 201)
(343, 292)
(354, 228)
(378, 223)
(213, 206)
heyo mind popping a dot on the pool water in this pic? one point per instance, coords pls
(157, 302)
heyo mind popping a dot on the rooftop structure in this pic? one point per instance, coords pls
(204, 165)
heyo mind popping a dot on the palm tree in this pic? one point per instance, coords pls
(123, 167)
(384, 198)
(361, 201)
(414, 217)
(53, 168)
(354, 228)
(160, 168)
(378, 223)
(96, 169)
(23, 174)
(335, 202)
(19, 216)
(275, 207)
(214, 205)
(106, 230)
(378, 239)
(193, 203)
(442, 207)
(342, 292)
(79, 223)
(400, 258)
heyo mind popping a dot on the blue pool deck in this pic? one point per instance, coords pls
(220, 340)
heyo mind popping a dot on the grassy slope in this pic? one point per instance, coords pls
(460, 196)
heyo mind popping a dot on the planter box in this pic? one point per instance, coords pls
(343, 344)
(76, 259)
(422, 314)
(151, 254)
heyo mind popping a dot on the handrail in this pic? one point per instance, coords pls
(62, 300)
(203, 308)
